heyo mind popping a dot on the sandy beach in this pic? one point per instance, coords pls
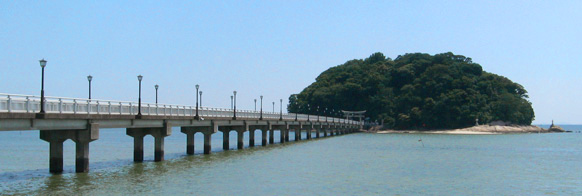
(477, 130)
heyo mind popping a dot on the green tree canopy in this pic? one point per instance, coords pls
(416, 91)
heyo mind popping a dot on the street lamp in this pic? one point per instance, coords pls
(42, 65)
(325, 111)
(273, 107)
(234, 117)
(139, 78)
(298, 109)
(231, 101)
(281, 107)
(317, 112)
(89, 78)
(200, 99)
(156, 86)
(255, 105)
(261, 118)
(308, 111)
(197, 87)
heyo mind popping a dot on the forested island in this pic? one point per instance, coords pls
(416, 91)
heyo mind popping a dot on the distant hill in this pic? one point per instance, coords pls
(417, 91)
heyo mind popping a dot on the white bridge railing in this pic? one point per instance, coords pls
(13, 103)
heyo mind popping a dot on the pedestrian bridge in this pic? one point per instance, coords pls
(80, 120)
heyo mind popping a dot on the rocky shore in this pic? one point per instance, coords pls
(482, 130)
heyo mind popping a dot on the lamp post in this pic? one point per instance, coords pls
(234, 117)
(281, 108)
(231, 101)
(324, 112)
(197, 87)
(317, 112)
(42, 65)
(157, 86)
(308, 111)
(139, 78)
(255, 105)
(200, 99)
(261, 118)
(298, 109)
(89, 78)
(273, 107)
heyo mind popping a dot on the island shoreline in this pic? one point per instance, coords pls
(475, 130)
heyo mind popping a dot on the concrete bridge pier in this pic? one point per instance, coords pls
(317, 133)
(282, 129)
(240, 132)
(287, 135)
(225, 139)
(308, 133)
(226, 133)
(324, 132)
(251, 137)
(207, 142)
(56, 138)
(271, 136)
(297, 134)
(190, 132)
(158, 133)
(264, 137)
(282, 135)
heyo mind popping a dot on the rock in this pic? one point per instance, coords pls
(556, 128)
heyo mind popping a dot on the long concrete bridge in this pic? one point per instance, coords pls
(81, 119)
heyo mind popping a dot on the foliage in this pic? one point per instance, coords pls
(417, 91)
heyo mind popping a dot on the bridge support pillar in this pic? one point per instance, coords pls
(225, 139)
(81, 139)
(271, 136)
(282, 135)
(207, 142)
(240, 139)
(264, 137)
(189, 140)
(190, 132)
(158, 133)
(56, 156)
(287, 135)
(297, 134)
(251, 138)
(308, 131)
(317, 133)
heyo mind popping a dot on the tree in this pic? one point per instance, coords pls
(417, 91)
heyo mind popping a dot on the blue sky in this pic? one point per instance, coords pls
(276, 48)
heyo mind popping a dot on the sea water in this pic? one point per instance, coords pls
(353, 164)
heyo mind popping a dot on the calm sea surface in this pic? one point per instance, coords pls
(355, 164)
